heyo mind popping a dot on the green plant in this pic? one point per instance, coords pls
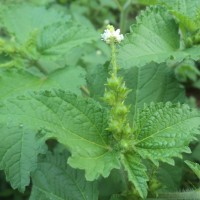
(72, 127)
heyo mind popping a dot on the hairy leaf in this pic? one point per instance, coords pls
(76, 122)
(151, 83)
(56, 180)
(19, 147)
(136, 173)
(165, 130)
(154, 37)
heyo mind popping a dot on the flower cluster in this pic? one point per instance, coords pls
(116, 93)
(110, 34)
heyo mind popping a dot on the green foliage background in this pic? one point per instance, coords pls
(54, 142)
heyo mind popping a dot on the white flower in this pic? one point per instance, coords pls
(110, 34)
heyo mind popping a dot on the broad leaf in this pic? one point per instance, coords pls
(14, 82)
(151, 83)
(76, 122)
(136, 172)
(56, 180)
(68, 78)
(19, 147)
(164, 131)
(28, 18)
(195, 167)
(57, 39)
(186, 11)
(49, 39)
(154, 37)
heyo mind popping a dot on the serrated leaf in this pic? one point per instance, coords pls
(19, 147)
(185, 11)
(136, 172)
(76, 122)
(48, 40)
(165, 130)
(195, 167)
(57, 39)
(151, 83)
(154, 37)
(56, 180)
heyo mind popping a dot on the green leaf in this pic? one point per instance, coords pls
(14, 82)
(164, 131)
(170, 176)
(96, 79)
(117, 197)
(154, 37)
(49, 39)
(58, 39)
(28, 18)
(19, 147)
(115, 184)
(151, 83)
(195, 167)
(76, 122)
(68, 78)
(56, 180)
(186, 11)
(136, 172)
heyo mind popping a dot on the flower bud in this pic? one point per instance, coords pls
(114, 82)
(109, 97)
(121, 109)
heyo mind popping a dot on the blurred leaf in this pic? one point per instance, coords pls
(195, 167)
(54, 179)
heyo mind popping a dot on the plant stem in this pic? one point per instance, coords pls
(113, 59)
(123, 16)
(118, 5)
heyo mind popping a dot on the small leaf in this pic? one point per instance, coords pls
(54, 179)
(164, 131)
(136, 172)
(195, 167)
